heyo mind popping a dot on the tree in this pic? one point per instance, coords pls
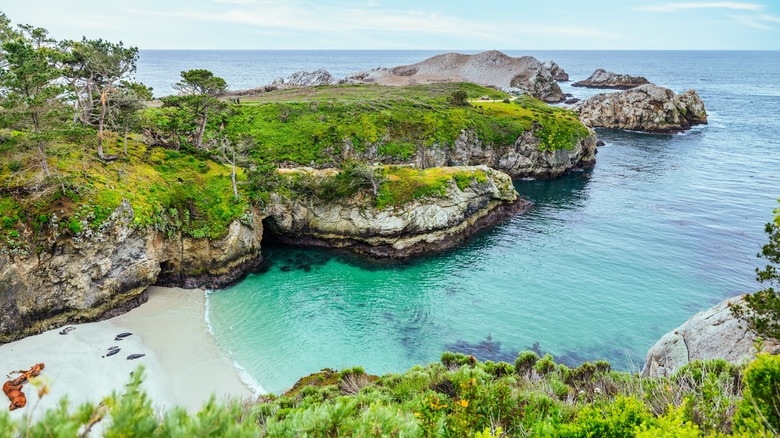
(231, 152)
(459, 98)
(761, 312)
(199, 90)
(96, 68)
(128, 102)
(29, 83)
(363, 175)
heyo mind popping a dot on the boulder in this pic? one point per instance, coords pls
(426, 225)
(714, 333)
(306, 79)
(557, 72)
(606, 79)
(647, 108)
(525, 74)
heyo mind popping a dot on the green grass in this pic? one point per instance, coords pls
(169, 190)
(312, 125)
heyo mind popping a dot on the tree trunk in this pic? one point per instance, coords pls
(233, 175)
(202, 128)
(42, 157)
(101, 123)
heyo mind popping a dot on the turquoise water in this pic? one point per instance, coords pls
(606, 262)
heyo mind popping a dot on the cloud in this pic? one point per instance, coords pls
(675, 7)
(759, 21)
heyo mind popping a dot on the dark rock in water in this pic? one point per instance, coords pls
(606, 79)
(571, 101)
(600, 143)
(286, 268)
(483, 350)
(135, 356)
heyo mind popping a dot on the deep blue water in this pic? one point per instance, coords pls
(605, 263)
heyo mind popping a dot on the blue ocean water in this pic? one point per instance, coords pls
(606, 262)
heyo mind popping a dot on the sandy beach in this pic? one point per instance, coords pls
(183, 364)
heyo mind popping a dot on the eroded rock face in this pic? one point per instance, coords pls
(711, 334)
(647, 108)
(102, 274)
(421, 226)
(495, 69)
(606, 79)
(306, 79)
(558, 73)
(522, 159)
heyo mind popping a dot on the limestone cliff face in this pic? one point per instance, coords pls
(522, 159)
(421, 226)
(647, 108)
(711, 334)
(102, 273)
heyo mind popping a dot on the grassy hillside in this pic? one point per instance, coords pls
(311, 125)
(173, 186)
(461, 397)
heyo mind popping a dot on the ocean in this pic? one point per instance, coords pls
(606, 262)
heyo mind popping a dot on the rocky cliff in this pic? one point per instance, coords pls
(104, 272)
(525, 74)
(306, 79)
(417, 227)
(606, 79)
(647, 108)
(711, 334)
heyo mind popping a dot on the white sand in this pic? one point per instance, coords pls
(183, 364)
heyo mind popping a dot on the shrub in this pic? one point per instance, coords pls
(617, 419)
(525, 362)
(760, 406)
(459, 98)
(545, 365)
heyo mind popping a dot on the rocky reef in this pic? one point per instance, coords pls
(647, 108)
(104, 272)
(558, 73)
(714, 333)
(417, 227)
(523, 75)
(607, 79)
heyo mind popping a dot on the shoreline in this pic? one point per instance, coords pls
(183, 363)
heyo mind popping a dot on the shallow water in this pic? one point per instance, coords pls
(606, 262)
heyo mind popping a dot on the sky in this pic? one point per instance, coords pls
(409, 24)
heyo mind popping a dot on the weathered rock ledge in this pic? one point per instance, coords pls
(104, 273)
(607, 79)
(419, 227)
(711, 334)
(647, 108)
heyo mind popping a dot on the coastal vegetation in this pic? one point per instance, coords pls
(458, 397)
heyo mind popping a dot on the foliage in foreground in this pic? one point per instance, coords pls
(761, 311)
(459, 397)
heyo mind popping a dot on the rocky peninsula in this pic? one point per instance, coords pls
(646, 108)
(607, 79)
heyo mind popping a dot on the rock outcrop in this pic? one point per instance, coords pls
(711, 334)
(647, 108)
(525, 75)
(558, 73)
(306, 79)
(606, 79)
(420, 226)
(104, 273)
(521, 159)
